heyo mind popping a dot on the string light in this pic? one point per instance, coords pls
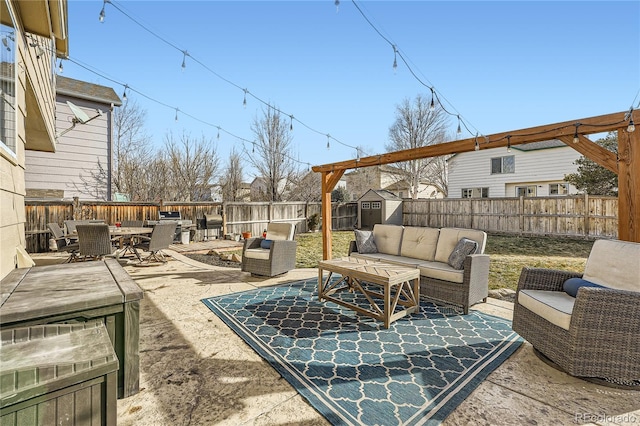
(291, 122)
(226, 80)
(253, 147)
(477, 145)
(244, 101)
(576, 137)
(102, 14)
(395, 59)
(124, 93)
(177, 109)
(509, 143)
(60, 67)
(406, 63)
(459, 130)
(328, 139)
(184, 59)
(337, 3)
(357, 155)
(432, 106)
(629, 115)
(218, 136)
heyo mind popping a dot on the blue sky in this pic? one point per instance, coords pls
(500, 65)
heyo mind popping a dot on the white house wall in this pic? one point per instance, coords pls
(77, 155)
(538, 167)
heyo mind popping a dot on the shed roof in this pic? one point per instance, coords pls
(382, 193)
(85, 90)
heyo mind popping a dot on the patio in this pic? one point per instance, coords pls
(195, 370)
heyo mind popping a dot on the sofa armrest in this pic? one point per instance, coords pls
(609, 310)
(251, 243)
(283, 253)
(352, 247)
(544, 279)
(476, 272)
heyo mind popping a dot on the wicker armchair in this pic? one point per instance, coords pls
(94, 241)
(62, 242)
(596, 334)
(278, 259)
(161, 238)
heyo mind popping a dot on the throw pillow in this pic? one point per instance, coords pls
(365, 242)
(572, 285)
(265, 244)
(463, 248)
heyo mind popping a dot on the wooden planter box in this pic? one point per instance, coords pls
(58, 374)
(77, 293)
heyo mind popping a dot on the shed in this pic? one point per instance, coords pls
(379, 206)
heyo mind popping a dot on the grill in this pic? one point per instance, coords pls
(211, 222)
(181, 224)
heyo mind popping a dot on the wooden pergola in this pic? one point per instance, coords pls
(626, 163)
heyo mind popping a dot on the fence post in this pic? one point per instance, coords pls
(76, 209)
(587, 221)
(521, 214)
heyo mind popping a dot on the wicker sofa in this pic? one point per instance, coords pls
(596, 333)
(428, 249)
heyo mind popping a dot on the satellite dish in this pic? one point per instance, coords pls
(79, 115)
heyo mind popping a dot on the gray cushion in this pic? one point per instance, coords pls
(365, 242)
(463, 248)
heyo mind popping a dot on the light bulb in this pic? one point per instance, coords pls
(395, 59)
(60, 67)
(291, 123)
(576, 138)
(328, 144)
(102, 14)
(244, 101)
(177, 114)
(337, 3)
(459, 130)
(508, 143)
(124, 95)
(253, 147)
(477, 145)
(631, 127)
(184, 60)
(218, 137)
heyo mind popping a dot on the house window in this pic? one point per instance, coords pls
(366, 205)
(526, 191)
(558, 189)
(376, 205)
(475, 193)
(502, 165)
(8, 101)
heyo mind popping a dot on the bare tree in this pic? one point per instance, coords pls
(306, 187)
(131, 151)
(272, 153)
(416, 125)
(231, 181)
(194, 166)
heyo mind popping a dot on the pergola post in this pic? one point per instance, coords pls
(629, 185)
(329, 181)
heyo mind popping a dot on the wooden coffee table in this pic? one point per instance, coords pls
(399, 287)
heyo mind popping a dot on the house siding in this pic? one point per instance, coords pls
(539, 167)
(77, 155)
(32, 89)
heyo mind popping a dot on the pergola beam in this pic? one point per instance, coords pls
(627, 165)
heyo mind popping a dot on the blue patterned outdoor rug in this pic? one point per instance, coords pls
(353, 370)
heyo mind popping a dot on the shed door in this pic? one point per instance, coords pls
(371, 213)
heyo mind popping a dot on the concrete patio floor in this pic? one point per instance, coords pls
(196, 371)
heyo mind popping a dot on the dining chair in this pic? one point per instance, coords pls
(63, 243)
(161, 238)
(94, 241)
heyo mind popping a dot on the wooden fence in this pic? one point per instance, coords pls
(574, 216)
(237, 217)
